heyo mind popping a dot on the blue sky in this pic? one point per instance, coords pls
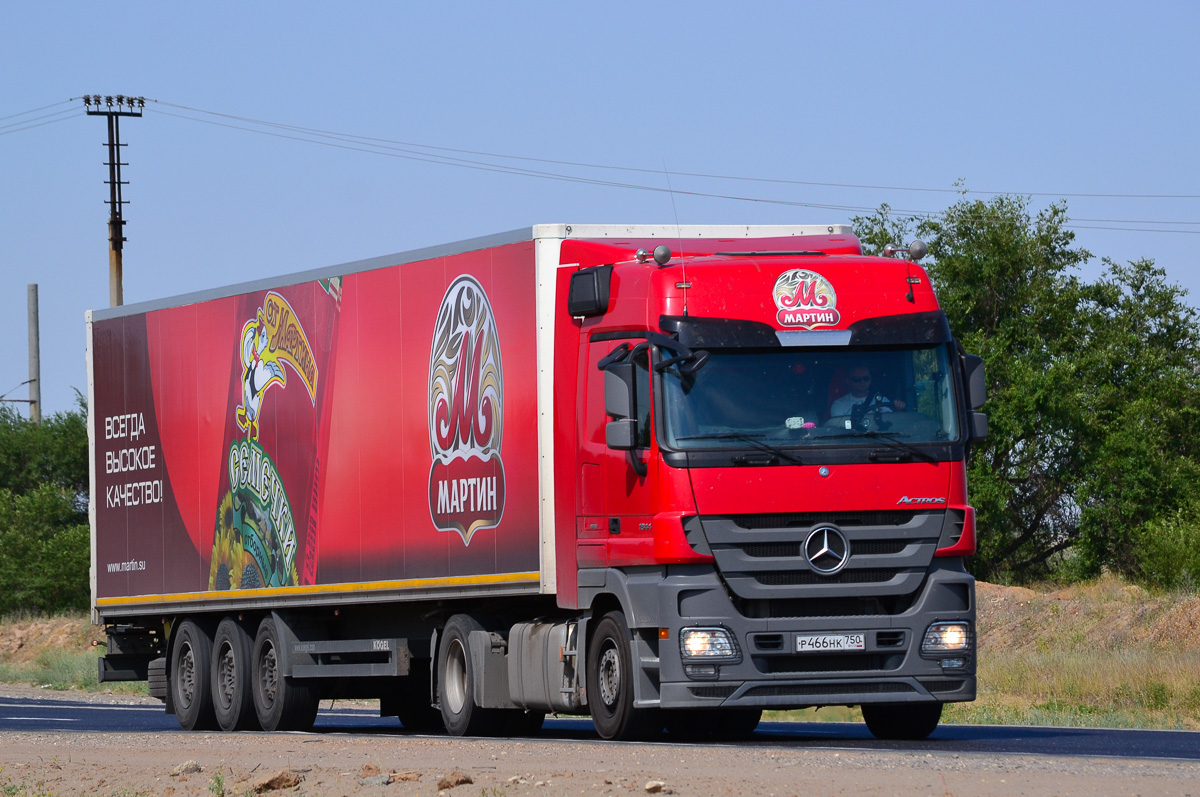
(1045, 99)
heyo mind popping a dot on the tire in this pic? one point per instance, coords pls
(610, 680)
(902, 721)
(413, 706)
(191, 683)
(232, 687)
(716, 724)
(280, 703)
(456, 682)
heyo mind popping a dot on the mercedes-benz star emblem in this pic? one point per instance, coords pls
(827, 550)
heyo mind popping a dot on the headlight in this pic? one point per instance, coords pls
(942, 637)
(707, 643)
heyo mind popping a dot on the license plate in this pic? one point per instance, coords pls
(820, 643)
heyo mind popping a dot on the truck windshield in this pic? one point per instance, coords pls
(808, 398)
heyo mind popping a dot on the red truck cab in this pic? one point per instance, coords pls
(769, 460)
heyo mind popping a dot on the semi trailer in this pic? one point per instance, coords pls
(665, 476)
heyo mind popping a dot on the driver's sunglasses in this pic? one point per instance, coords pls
(858, 379)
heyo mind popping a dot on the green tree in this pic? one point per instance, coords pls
(1091, 385)
(1141, 368)
(44, 537)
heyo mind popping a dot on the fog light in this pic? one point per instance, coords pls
(706, 643)
(947, 636)
(700, 670)
(953, 664)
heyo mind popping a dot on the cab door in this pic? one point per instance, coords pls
(616, 487)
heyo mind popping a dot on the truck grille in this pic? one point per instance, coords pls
(793, 549)
(761, 556)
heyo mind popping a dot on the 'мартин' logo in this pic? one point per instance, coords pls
(466, 413)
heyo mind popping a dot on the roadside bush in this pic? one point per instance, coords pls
(1169, 550)
(44, 555)
(44, 537)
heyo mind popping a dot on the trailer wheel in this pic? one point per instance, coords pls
(191, 658)
(456, 682)
(280, 703)
(909, 721)
(233, 700)
(610, 683)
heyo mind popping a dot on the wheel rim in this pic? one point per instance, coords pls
(456, 676)
(226, 675)
(610, 676)
(187, 675)
(268, 675)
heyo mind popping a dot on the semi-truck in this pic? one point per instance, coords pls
(668, 476)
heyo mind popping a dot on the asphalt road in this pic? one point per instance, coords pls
(25, 714)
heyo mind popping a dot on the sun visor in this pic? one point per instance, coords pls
(909, 329)
(719, 333)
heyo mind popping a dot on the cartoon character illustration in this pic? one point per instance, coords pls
(258, 373)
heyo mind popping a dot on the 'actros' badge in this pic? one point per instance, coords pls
(805, 299)
(466, 413)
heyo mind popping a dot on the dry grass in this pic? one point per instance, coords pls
(54, 652)
(1102, 653)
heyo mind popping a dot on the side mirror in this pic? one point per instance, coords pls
(619, 403)
(618, 390)
(621, 435)
(589, 290)
(975, 381)
(979, 426)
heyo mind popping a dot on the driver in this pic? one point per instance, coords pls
(859, 380)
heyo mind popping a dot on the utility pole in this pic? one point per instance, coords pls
(114, 107)
(35, 358)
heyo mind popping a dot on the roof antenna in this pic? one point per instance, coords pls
(684, 284)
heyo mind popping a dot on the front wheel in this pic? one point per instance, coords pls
(610, 683)
(902, 721)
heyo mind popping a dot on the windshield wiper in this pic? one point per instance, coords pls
(890, 439)
(754, 440)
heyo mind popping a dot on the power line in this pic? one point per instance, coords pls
(405, 152)
(29, 124)
(36, 110)
(781, 181)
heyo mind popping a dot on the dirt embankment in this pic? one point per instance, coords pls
(1107, 614)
